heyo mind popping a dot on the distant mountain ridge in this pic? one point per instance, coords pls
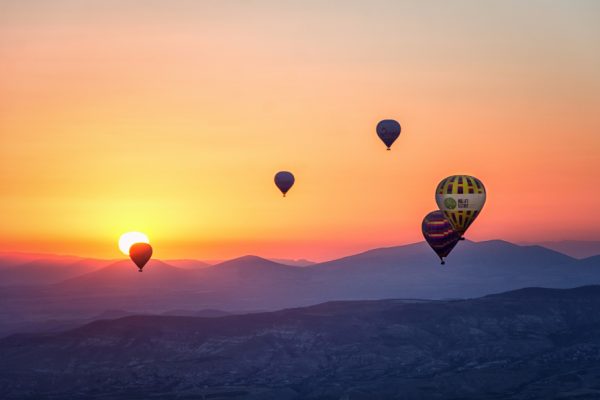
(22, 260)
(26, 271)
(575, 248)
(253, 283)
(531, 343)
(296, 263)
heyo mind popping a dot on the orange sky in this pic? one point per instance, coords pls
(171, 118)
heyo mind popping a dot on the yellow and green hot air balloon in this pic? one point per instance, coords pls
(461, 198)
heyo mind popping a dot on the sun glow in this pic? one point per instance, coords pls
(129, 239)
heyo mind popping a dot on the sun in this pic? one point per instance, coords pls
(130, 238)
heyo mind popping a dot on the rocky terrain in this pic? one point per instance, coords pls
(525, 344)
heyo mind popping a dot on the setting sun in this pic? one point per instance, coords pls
(129, 239)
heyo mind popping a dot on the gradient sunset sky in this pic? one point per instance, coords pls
(171, 117)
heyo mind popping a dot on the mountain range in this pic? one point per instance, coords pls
(63, 291)
(574, 248)
(531, 343)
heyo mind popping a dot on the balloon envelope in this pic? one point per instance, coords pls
(388, 131)
(140, 253)
(461, 198)
(284, 181)
(440, 235)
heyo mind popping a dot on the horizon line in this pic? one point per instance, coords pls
(218, 261)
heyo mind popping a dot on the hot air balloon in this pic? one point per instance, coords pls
(440, 235)
(284, 181)
(461, 198)
(388, 131)
(140, 253)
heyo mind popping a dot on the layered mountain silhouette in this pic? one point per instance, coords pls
(575, 248)
(26, 270)
(527, 344)
(295, 263)
(188, 264)
(253, 283)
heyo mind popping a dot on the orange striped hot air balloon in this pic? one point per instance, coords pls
(439, 234)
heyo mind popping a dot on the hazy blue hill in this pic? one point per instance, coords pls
(8, 260)
(48, 270)
(575, 248)
(473, 269)
(11, 259)
(491, 252)
(207, 313)
(250, 283)
(528, 344)
(253, 263)
(590, 261)
(124, 274)
(59, 324)
(112, 314)
(188, 264)
(246, 269)
(295, 263)
(501, 252)
(388, 256)
(542, 294)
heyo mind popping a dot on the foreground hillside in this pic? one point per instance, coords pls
(525, 344)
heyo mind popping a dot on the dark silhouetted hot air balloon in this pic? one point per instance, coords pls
(140, 253)
(284, 181)
(388, 131)
(440, 235)
(461, 198)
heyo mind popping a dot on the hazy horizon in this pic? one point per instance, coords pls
(571, 248)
